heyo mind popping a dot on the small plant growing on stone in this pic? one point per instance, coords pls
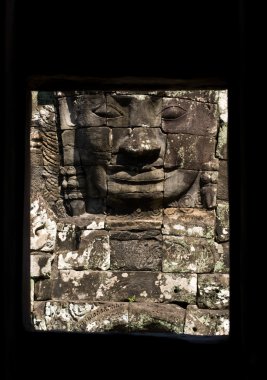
(131, 298)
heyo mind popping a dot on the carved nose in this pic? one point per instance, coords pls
(141, 144)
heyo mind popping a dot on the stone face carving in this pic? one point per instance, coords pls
(127, 233)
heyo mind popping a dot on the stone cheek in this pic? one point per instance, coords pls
(190, 152)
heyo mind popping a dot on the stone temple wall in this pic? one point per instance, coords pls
(129, 212)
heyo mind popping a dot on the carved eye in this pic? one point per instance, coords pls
(173, 113)
(110, 112)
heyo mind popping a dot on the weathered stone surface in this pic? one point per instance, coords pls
(43, 226)
(221, 149)
(136, 221)
(223, 181)
(156, 318)
(187, 116)
(206, 322)
(119, 286)
(43, 290)
(186, 254)
(213, 291)
(204, 96)
(41, 265)
(222, 258)
(81, 316)
(90, 110)
(135, 254)
(177, 287)
(190, 152)
(222, 222)
(136, 235)
(148, 162)
(67, 236)
(71, 156)
(93, 252)
(83, 222)
(189, 222)
(106, 286)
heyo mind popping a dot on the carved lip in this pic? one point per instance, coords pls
(156, 175)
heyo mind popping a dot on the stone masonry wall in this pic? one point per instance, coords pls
(129, 212)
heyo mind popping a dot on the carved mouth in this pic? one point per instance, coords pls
(152, 176)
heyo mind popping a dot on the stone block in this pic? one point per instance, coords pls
(81, 316)
(67, 112)
(213, 291)
(144, 317)
(222, 258)
(83, 222)
(206, 322)
(177, 287)
(145, 111)
(186, 116)
(71, 156)
(190, 152)
(118, 136)
(43, 290)
(221, 149)
(43, 226)
(135, 221)
(203, 96)
(67, 236)
(119, 286)
(222, 192)
(189, 222)
(222, 221)
(41, 265)
(93, 252)
(186, 254)
(136, 253)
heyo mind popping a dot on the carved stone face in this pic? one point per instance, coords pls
(136, 151)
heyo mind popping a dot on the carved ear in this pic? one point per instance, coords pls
(208, 182)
